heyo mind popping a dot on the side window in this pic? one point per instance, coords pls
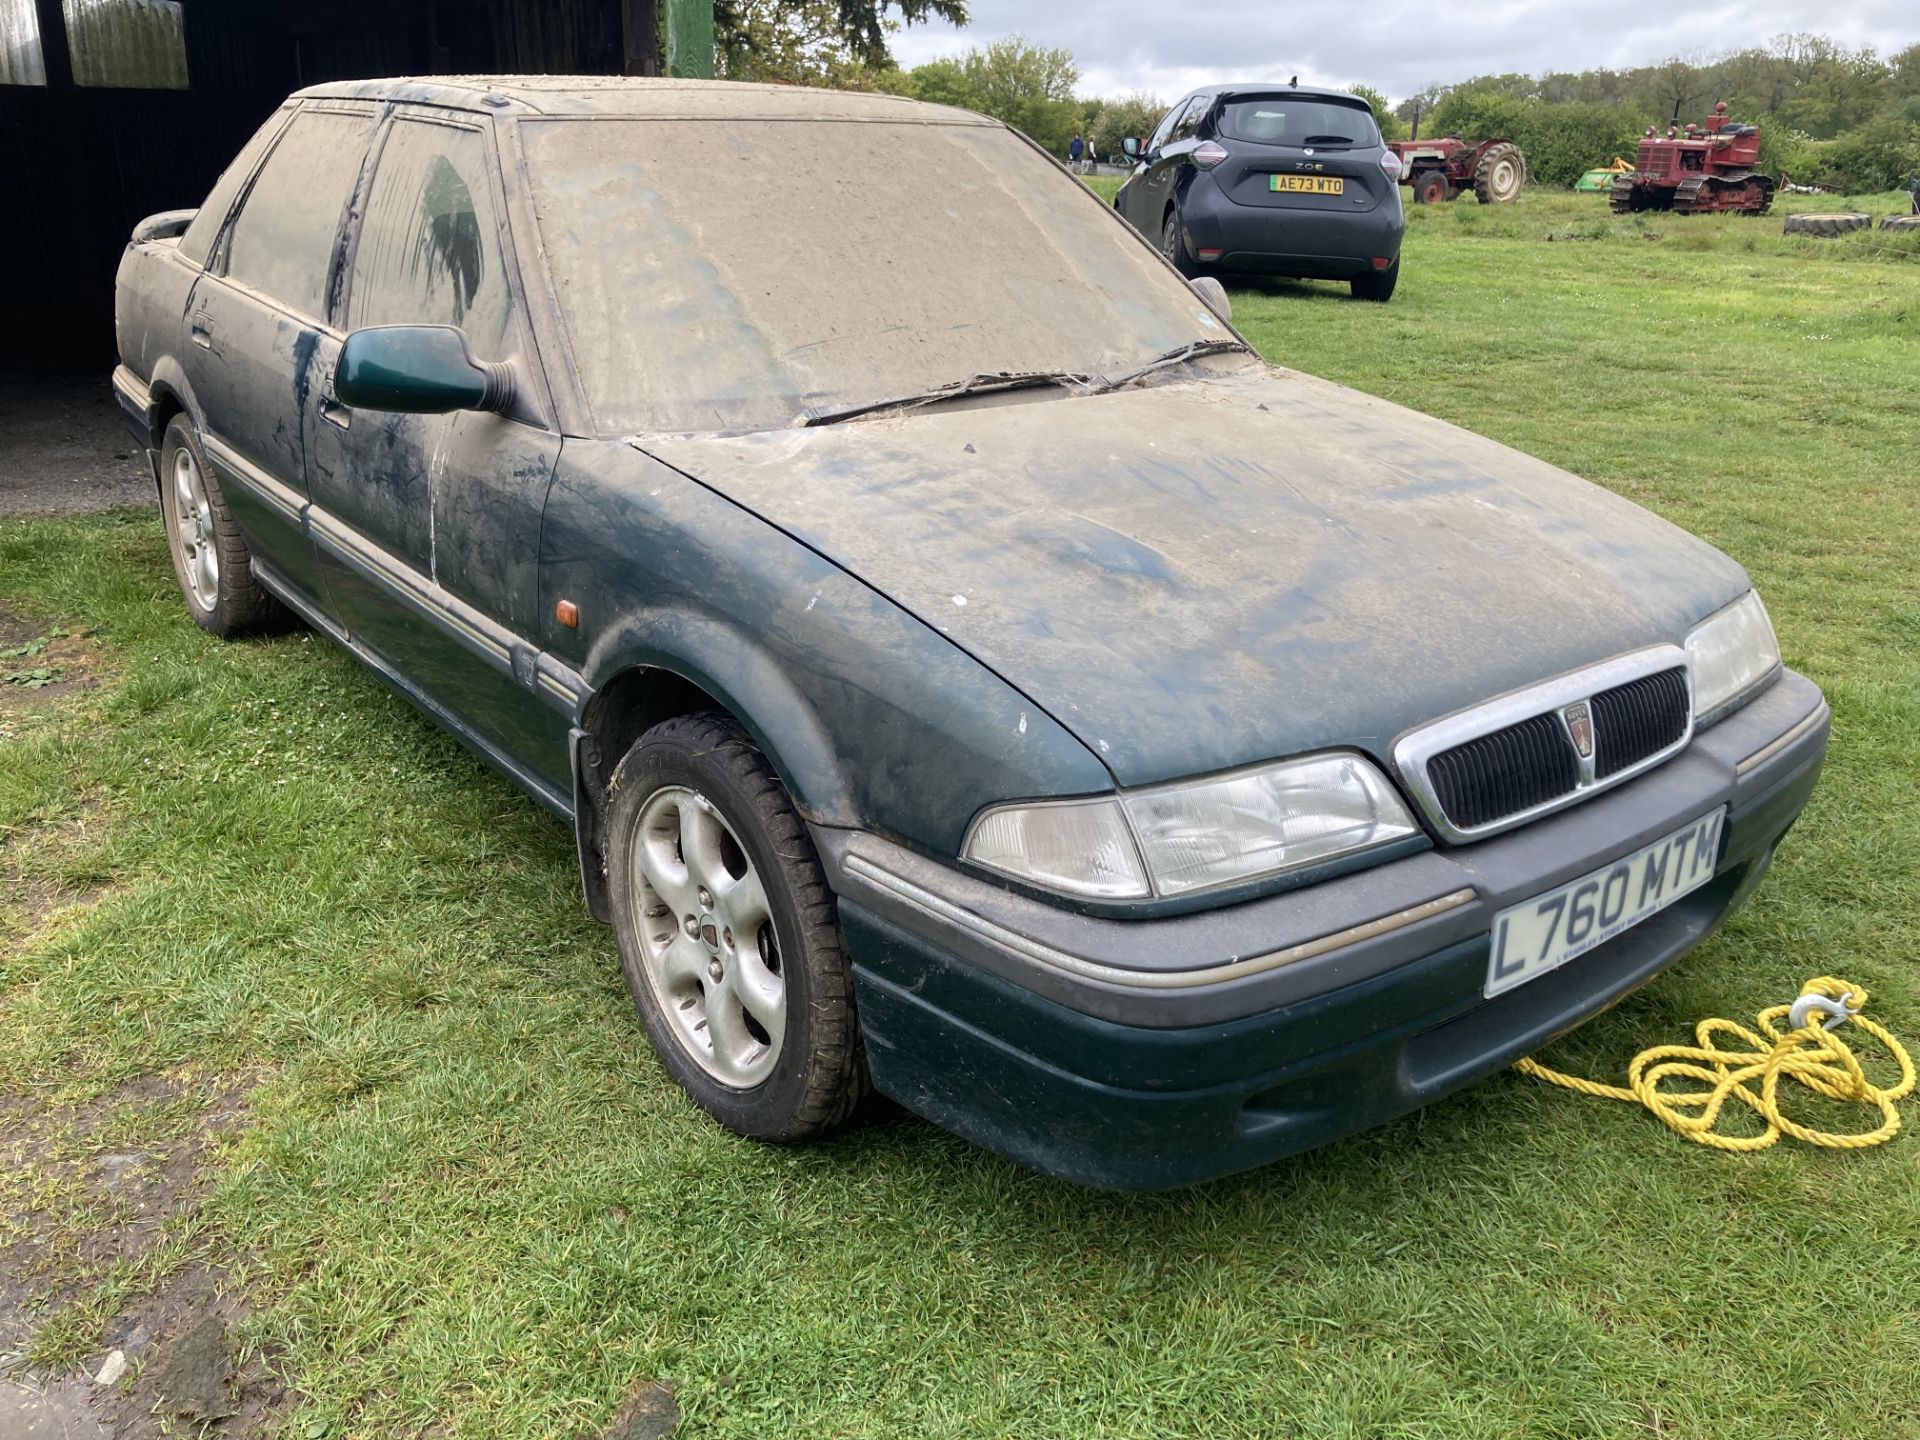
(1189, 123)
(286, 230)
(429, 248)
(1166, 125)
(198, 241)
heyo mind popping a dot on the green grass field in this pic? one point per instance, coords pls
(465, 1201)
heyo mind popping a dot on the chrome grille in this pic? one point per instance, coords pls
(1499, 764)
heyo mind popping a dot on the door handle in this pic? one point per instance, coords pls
(334, 413)
(201, 332)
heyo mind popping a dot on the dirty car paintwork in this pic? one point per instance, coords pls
(1215, 571)
(873, 718)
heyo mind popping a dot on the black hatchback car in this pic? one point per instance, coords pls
(1271, 180)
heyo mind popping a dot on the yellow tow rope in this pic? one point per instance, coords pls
(1808, 1051)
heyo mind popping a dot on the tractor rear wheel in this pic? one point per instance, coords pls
(1827, 226)
(1502, 171)
(1430, 187)
(1908, 223)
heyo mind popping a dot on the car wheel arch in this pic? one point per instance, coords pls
(172, 395)
(630, 696)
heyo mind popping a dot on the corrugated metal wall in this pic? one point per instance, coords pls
(20, 62)
(83, 162)
(131, 44)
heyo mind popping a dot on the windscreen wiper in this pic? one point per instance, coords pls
(974, 385)
(1192, 350)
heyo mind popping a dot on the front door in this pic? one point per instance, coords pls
(428, 526)
(1150, 188)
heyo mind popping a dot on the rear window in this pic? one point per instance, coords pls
(1298, 121)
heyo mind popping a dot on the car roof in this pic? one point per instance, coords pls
(1276, 87)
(645, 98)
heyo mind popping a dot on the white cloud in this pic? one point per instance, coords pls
(1123, 45)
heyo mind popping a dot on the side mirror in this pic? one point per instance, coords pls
(167, 225)
(418, 370)
(1131, 145)
(1215, 294)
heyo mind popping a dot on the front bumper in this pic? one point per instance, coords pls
(1147, 1054)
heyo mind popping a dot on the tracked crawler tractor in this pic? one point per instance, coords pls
(1705, 170)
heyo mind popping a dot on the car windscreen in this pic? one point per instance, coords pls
(743, 274)
(1298, 121)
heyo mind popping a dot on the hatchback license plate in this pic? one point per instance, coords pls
(1549, 930)
(1307, 184)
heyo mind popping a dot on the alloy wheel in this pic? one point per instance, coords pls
(711, 954)
(193, 530)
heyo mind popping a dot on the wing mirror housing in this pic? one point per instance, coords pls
(1131, 146)
(1215, 295)
(418, 370)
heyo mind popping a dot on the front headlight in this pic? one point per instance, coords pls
(1733, 652)
(1173, 840)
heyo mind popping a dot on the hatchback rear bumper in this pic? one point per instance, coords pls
(1263, 240)
(1099, 1050)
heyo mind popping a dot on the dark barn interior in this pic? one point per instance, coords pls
(98, 131)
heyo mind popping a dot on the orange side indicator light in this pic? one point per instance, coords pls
(568, 614)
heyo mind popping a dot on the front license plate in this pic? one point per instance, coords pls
(1532, 938)
(1307, 184)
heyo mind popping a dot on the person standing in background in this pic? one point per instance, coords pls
(1074, 151)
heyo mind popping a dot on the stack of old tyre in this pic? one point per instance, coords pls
(1839, 223)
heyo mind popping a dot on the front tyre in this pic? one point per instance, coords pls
(210, 556)
(1377, 285)
(728, 934)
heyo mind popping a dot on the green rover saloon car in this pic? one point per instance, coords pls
(971, 673)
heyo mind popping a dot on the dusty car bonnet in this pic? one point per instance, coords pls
(1204, 573)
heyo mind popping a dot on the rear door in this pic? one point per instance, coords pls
(1300, 153)
(255, 323)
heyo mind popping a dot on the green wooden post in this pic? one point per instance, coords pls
(690, 39)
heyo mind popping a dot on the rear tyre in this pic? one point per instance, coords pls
(1173, 245)
(1908, 223)
(1377, 285)
(1430, 187)
(211, 560)
(1827, 226)
(1500, 175)
(728, 934)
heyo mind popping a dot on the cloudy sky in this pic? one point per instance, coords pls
(1123, 45)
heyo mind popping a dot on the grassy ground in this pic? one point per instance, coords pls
(467, 1203)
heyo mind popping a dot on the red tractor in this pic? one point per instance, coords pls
(1440, 170)
(1700, 172)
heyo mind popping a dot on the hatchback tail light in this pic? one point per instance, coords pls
(1390, 163)
(1207, 154)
